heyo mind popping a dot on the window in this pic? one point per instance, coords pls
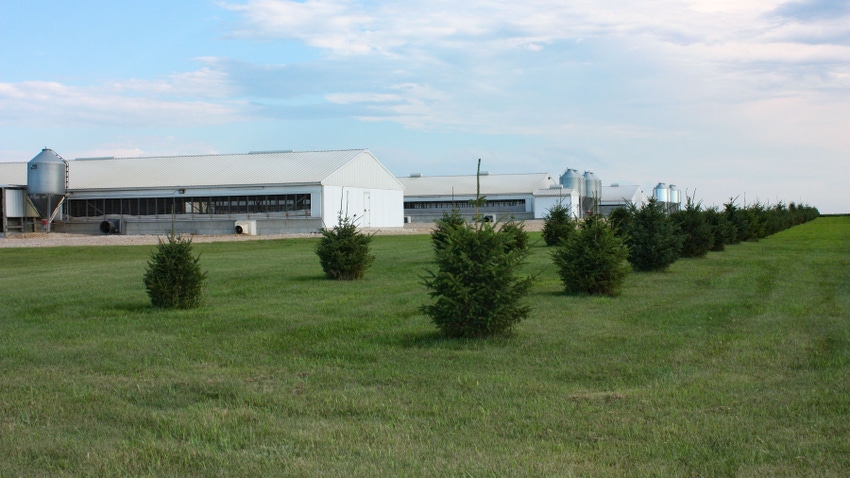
(280, 204)
(462, 204)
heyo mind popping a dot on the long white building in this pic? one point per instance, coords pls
(277, 192)
(521, 196)
(255, 193)
(619, 196)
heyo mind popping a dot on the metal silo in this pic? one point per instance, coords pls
(593, 194)
(573, 180)
(675, 198)
(661, 193)
(47, 184)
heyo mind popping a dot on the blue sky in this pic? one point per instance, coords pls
(723, 98)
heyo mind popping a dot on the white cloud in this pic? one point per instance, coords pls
(454, 38)
(208, 82)
(153, 146)
(197, 98)
(329, 24)
(604, 81)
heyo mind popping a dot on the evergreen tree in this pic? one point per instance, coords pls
(738, 221)
(558, 225)
(173, 278)
(447, 223)
(757, 217)
(652, 238)
(698, 238)
(477, 289)
(593, 260)
(721, 231)
(621, 219)
(515, 236)
(344, 251)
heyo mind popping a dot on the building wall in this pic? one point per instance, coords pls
(15, 203)
(271, 221)
(271, 189)
(163, 225)
(364, 171)
(16, 212)
(367, 207)
(441, 204)
(542, 206)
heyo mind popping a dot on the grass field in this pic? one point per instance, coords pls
(737, 364)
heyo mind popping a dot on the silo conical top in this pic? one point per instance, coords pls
(573, 180)
(46, 155)
(594, 185)
(675, 196)
(661, 192)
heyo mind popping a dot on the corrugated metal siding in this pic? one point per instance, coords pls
(365, 171)
(310, 167)
(621, 194)
(491, 184)
(13, 174)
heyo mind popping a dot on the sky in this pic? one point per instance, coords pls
(741, 100)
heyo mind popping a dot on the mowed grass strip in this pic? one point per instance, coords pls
(735, 364)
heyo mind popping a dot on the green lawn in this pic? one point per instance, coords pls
(735, 364)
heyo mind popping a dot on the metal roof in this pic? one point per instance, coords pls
(13, 174)
(554, 192)
(491, 184)
(261, 168)
(622, 194)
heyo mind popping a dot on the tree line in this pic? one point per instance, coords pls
(475, 285)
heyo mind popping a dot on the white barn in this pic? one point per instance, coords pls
(521, 196)
(256, 193)
(617, 196)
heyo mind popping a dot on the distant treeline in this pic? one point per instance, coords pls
(703, 230)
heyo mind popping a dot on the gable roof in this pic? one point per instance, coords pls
(264, 168)
(491, 184)
(621, 194)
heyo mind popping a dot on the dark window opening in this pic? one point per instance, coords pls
(490, 204)
(288, 204)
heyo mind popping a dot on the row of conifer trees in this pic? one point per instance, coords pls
(476, 287)
(590, 253)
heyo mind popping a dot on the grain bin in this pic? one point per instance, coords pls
(593, 192)
(661, 193)
(47, 176)
(675, 197)
(573, 180)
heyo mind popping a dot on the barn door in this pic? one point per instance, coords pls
(366, 218)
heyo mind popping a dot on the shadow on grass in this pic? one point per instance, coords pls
(430, 338)
(436, 339)
(130, 307)
(310, 278)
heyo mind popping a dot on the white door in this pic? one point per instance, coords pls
(366, 220)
